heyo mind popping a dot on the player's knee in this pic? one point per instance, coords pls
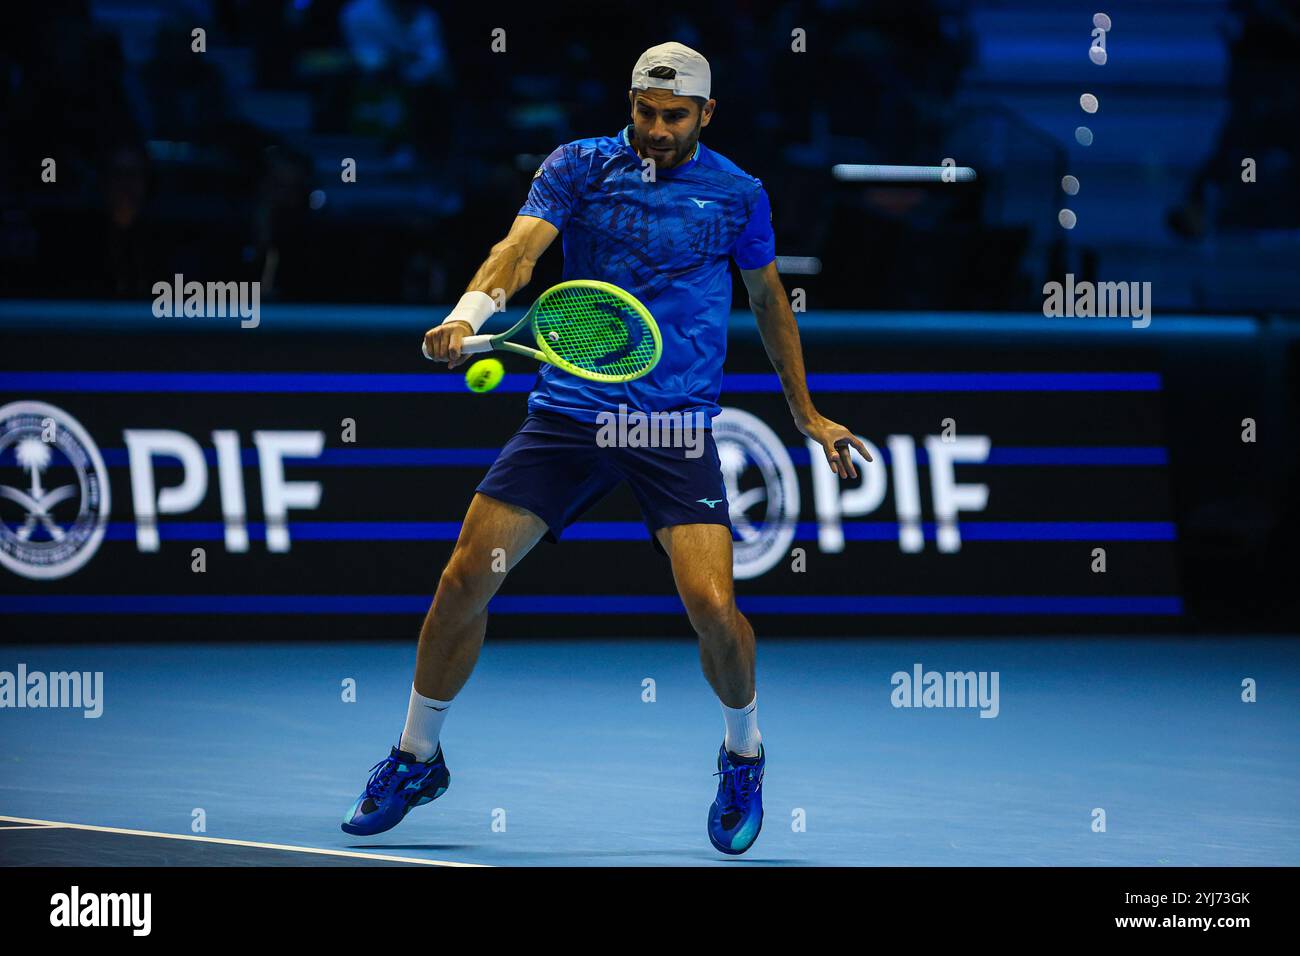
(460, 592)
(711, 613)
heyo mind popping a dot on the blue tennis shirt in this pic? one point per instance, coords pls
(667, 242)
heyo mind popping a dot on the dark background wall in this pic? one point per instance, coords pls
(226, 164)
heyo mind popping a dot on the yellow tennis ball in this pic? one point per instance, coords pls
(484, 375)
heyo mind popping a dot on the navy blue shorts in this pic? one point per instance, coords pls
(554, 467)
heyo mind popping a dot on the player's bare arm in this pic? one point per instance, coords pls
(508, 267)
(780, 333)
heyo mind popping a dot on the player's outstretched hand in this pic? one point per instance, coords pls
(835, 440)
(442, 343)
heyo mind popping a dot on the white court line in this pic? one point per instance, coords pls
(52, 826)
(225, 842)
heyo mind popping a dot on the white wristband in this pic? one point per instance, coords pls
(475, 308)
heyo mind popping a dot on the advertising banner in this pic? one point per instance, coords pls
(271, 485)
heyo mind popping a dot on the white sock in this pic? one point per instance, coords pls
(742, 737)
(424, 717)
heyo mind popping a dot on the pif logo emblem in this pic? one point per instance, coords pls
(54, 494)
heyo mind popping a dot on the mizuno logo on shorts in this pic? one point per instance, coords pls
(708, 501)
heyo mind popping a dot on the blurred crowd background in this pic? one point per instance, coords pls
(226, 164)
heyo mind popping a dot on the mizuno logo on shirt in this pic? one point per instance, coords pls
(701, 202)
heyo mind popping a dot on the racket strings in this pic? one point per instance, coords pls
(595, 331)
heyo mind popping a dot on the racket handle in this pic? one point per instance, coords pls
(468, 345)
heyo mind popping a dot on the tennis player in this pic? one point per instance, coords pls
(653, 211)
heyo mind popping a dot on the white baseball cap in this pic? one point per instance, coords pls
(672, 66)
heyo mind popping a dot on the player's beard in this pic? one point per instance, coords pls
(678, 155)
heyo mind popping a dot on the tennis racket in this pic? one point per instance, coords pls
(590, 329)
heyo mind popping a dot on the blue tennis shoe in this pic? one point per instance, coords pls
(737, 814)
(397, 783)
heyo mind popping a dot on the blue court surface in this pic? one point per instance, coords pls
(557, 760)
